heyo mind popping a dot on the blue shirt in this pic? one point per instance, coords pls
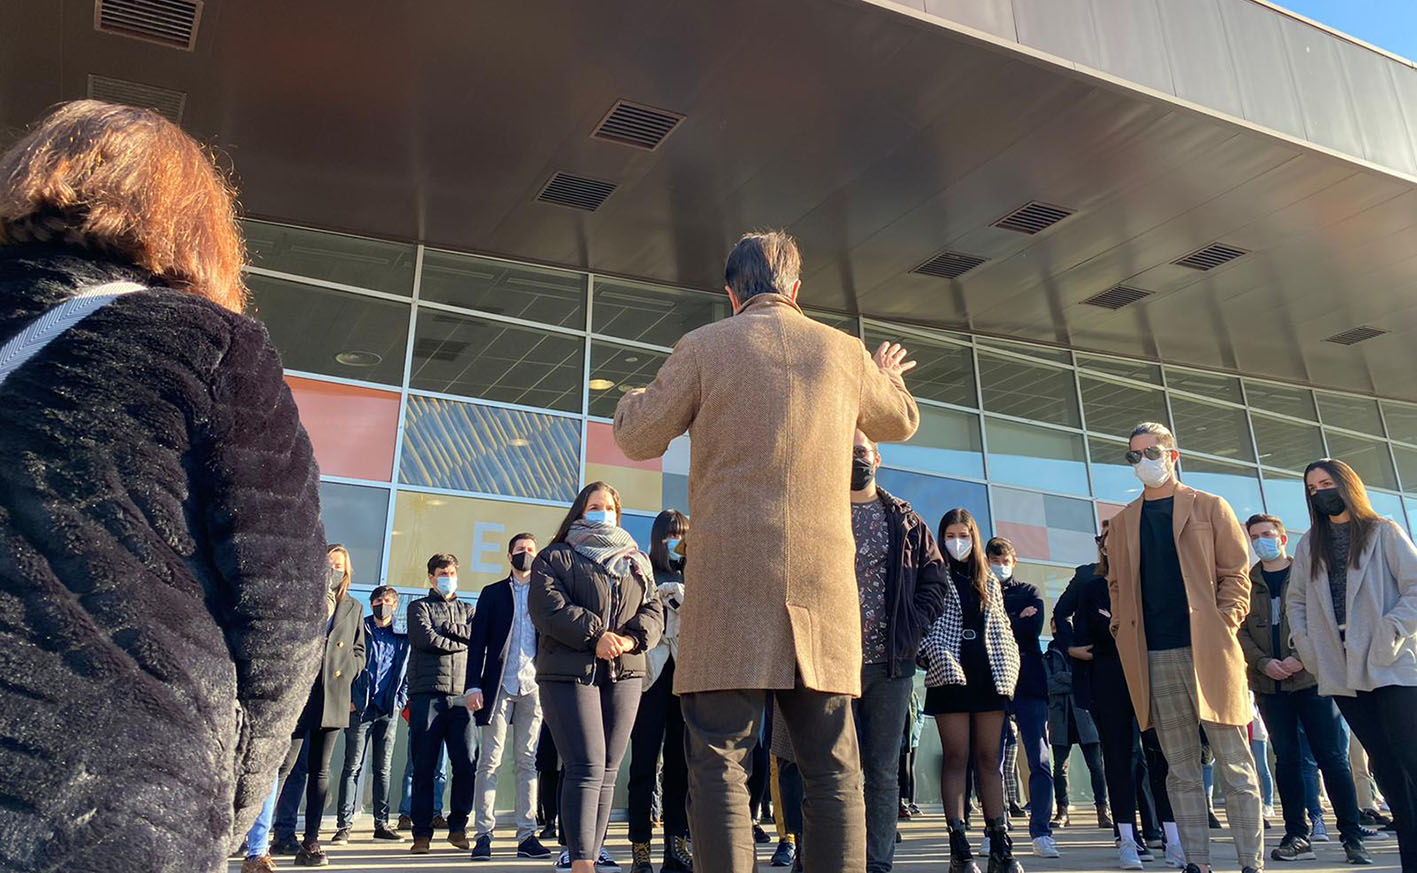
(519, 669)
(381, 647)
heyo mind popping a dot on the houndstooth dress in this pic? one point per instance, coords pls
(948, 686)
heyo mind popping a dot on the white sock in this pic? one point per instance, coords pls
(1173, 833)
(1128, 833)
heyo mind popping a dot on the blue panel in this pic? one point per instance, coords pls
(1068, 514)
(355, 515)
(487, 449)
(676, 492)
(933, 496)
(1240, 490)
(639, 527)
(1388, 506)
(1285, 498)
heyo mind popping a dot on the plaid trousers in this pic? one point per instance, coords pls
(1175, 715)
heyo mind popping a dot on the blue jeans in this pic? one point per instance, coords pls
(1311, 775)
(383, 730)
(258, 839)
(1284, 713)
(440, 783)
(1260, 749)
(291, 794)
(880, 716)
(1031, 713)
(441, 721)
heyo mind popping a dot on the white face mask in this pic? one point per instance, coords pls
(1003, 571)
(959, 547)
(1153, 474)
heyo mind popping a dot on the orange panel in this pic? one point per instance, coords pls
(1029, 540)
(1107, 510)
(601, 449)
(353, 429)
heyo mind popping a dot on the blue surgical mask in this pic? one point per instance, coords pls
(673, 545)
(1268, 548)
(600, 516)
(446, 585)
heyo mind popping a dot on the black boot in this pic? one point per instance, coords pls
(961, 857)
(1001, 848)
(797, 861)
(677, 856)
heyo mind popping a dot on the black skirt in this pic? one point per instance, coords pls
(977, 694)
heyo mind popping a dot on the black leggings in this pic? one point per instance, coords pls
(591, 725)
(1128, 759)
(1092, 754)
(317, 776)
(659, 730)
(907, 775)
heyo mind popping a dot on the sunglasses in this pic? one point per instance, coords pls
(1151, 453)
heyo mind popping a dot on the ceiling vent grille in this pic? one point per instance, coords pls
(1116, 298)
(1210, 257)
(1354, 336)
(637, 125)
(949, 265)
(576, 192)
(164, 101)
(1033, 218)
(169, 22)
(446, 351)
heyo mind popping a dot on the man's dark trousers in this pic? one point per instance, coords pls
(1284, 713)
(880, 721)
(437, 720)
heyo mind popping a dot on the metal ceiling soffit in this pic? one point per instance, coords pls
(637, 125)
(575, 192)
(164, 101)
(166, 22)
(1117, 297)
(1210, 257)
(1033, 217)
(949, 265)
(1355, 335)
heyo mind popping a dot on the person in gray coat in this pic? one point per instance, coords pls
(1352, 606)
(1071, 725)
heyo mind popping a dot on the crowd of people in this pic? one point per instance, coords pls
(186, 651)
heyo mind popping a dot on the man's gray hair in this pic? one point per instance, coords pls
(1164, 437)
(763, 262)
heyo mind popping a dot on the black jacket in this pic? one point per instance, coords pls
(915, 580)
(1067, 604)
(330, 698)
(162, 565)
(570, 603)
(1065, 714)
(487, 643)
(437, 639)
(1032, 678)
(1099, 682)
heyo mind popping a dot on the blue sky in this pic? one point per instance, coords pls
(1387, 24)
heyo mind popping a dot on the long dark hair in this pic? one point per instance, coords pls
(578, 508)
(1360, 510)
(976, 564)
(669, 523)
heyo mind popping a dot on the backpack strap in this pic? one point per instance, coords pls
(49, 326)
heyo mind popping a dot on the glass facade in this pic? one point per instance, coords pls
(454, 400)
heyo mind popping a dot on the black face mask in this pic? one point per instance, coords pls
(521, 561)
(1327, 501)
(382, 611)
(861, 474)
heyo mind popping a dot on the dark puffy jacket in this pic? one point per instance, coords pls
(1067, 604)
(570, 604)
(915, 580)
(1064, 711)
(162, 566)
(437, 638)
(1032, 678)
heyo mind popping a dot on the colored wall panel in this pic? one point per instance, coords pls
(1030, 541)
(602, 449)
(639, 489)
(352, 429)
(474, 529)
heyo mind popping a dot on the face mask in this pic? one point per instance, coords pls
(1268, 548)
(446, 585)
(1153, 474)
(334, 579)
(672, 546)
(382, 611)
(959, 547)
(1327, 501)
(861, 474)
(521, 561)
(1003, 571)
(600, 516)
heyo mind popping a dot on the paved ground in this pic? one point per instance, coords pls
(1084, 849)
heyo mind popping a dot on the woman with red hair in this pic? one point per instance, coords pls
(162, 563)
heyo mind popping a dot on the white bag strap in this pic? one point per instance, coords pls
(45, 329)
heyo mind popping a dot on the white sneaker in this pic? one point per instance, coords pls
(1320, 832)
(1175, 857)
(1127, 858)
(1045, 847)
(1269, 812)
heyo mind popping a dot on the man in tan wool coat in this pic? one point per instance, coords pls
(771, 401)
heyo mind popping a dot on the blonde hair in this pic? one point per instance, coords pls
(348, 568)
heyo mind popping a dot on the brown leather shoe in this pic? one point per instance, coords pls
(263, 864)
(421, 846)
(459, 839)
